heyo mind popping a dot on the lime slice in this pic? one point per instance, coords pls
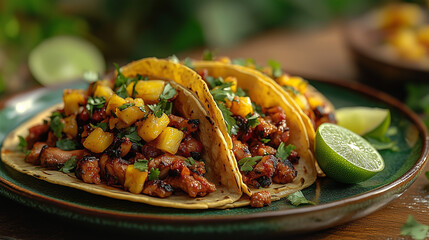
(365, 121)
(64, 58)
(345, 156)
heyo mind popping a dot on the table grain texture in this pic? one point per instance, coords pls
(318, 54)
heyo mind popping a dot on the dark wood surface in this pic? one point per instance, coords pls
(320, 54)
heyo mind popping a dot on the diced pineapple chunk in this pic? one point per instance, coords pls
(302, 101)
(169, 140)
(70, 126)
(73, 98)
(112, 122)
(149, 90)
(138, 102)
(103, 91)
(98, 140)
(241, 106)
(234, 83)
(130, 115)
(134, 179)
(114, 102)
(152, 127)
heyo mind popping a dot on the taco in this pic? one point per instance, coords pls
(139, 136)
(263, 129)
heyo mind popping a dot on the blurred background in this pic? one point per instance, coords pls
(305, 36)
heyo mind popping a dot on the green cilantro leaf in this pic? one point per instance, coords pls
(244, 62)
(297, 198)
(162, 107)
(231, 123)
(102, 125)
(190, 161)
(141, 164)
(214, 82)
(122, 91)
(284, 151)
(265, 140)
(291, 89)
(208, 55)
(241, 93)
(22, 145)
(120, 78)
(154, 174)
(168, 92)
(95, 102)
(276, 67)
(125, 106)
(258, 109)
(69, 166)
(66, 144)
(247, 163)
(188, 62)
(56, 125)
(414, 229)
(173, 58)
(252, 120)
(222, 92)
(130, 133)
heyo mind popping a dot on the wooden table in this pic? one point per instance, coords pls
(319, 54)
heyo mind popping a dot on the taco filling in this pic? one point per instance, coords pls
(124, 132)
(259, 135)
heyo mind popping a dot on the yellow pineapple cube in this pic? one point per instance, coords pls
(149, 90)
(138, 102)
(134, 179)
(234, 83)
(152, 127)
(169, 140)
(241, 106)
(130, 115)
(73, 98)
(114, 102)
(103, 91)
(98, 140)
(112, 122)
(70, 126)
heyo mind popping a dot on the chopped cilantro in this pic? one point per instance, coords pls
(244, 62)
(208, 55)
(291, 89)
(258, 109)
(168, 92)
(141, 164)
(241, 93)
(190, 161)
(95, 102)
(125, 106)
(222, 92)
(414, 229)
(265, 140)
(252, 120)
(276, 67)
(69, 166)
(284, 151)
(130, 133)
(56, 125)
(246, 164)
(173, 59)
(120, 78)
(102, 125)
(188, 62)
(154, 174)
(122, 91)
(297, 198)
(22, 145)
(66, 144)
(230, 122)
(214, 82)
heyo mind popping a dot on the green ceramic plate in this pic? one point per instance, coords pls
(336, 203)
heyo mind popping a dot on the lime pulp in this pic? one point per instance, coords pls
(344, 155)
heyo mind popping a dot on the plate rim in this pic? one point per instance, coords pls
(362, 89)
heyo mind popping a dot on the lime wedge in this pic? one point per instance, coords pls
(345, 156)
(64, 58)
(365, 121)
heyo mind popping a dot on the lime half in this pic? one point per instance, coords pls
(64, 58)
(365, 121)
(345, 156)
